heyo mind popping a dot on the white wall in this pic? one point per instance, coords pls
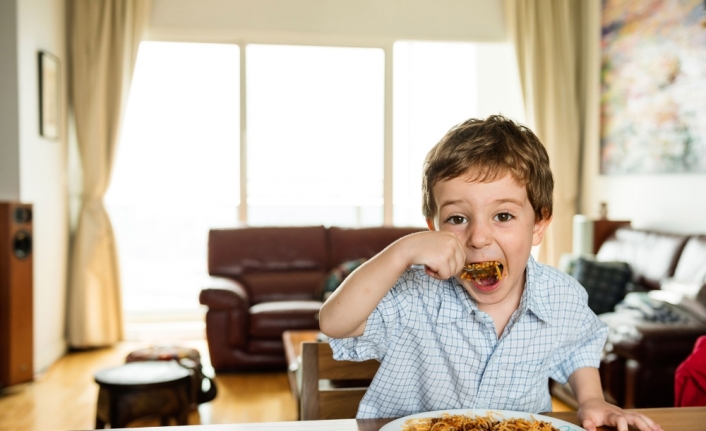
(42, 174)
(671, 203)
(9, 115)
(478, 20)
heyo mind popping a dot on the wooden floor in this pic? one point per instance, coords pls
(64, 397)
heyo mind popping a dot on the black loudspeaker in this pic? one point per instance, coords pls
(16, 293)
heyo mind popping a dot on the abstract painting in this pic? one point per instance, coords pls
(653, 87)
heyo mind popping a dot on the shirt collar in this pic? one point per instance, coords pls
(457, 303)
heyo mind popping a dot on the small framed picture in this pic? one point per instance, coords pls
(48, 95)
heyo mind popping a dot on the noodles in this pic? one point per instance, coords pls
(448, 422)
(482, 270)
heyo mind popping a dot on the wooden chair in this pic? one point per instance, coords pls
(332, 389)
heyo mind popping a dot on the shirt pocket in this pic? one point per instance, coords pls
(523, 383)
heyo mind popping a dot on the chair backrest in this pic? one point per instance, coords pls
(332, 389)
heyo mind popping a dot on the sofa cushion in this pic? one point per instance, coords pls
(282, 285)
(652, 255)
(692, 262)
(686, 288)
(605, 282)
(271, 319)
(336, 276)
(349, 243)
(234, 252)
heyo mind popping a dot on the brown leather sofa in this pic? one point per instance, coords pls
(641, 356)
(267, 280)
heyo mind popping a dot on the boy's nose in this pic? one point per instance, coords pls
(478, 235)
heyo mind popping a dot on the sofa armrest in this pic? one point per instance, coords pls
(662, 347)
(227, 316)
(659, 344)
(224, 294)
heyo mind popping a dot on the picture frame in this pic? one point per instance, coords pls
(48, 95)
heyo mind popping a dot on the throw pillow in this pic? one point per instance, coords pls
(336, 276)
(605, 282)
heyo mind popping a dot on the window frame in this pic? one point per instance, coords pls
(386, 45)
(242, 38)
(296, 39)
(387, 121)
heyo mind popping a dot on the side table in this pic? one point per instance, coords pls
(143, 389)
(203, 388)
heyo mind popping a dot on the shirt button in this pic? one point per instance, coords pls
(482, 405)
(479, 318)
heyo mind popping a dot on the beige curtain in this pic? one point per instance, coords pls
(103, 40)
(551, 40)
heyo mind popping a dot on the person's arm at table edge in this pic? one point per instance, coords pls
(594, 411)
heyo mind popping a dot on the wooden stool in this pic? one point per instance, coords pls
(203, 388)
(143, 389)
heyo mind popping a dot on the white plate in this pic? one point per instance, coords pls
(396, 425)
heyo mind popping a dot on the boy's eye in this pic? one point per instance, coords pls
(504, 217)
(456, 219)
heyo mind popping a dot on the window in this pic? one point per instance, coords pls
(315, 139)
(314, 142)
(176, 171)
(435, 88)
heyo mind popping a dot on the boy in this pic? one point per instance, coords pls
(484, 340)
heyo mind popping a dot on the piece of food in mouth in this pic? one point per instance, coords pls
(491, 271)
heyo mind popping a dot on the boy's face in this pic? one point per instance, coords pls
(495, 222)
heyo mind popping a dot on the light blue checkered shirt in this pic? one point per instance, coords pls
(439, 351)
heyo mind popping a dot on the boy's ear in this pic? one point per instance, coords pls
(540, 227)
(430, 224)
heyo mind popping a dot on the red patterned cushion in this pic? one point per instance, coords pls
(164, 353)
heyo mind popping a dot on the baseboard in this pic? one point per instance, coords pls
(48, 355)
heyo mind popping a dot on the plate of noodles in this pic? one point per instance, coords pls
(478, 420)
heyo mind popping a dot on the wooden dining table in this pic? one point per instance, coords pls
(670, 419)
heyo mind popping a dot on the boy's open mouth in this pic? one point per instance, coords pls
(483, 273)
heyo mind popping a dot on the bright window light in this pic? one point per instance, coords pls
(177, 171)
(315, 126)
(435, 87)
(314, 145)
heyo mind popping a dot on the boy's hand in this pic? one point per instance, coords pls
(594, 411)
(441, 253)
(597, 412)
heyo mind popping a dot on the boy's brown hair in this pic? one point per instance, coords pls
(492, 148)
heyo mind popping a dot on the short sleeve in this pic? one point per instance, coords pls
(583, 347)
(381, 328)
